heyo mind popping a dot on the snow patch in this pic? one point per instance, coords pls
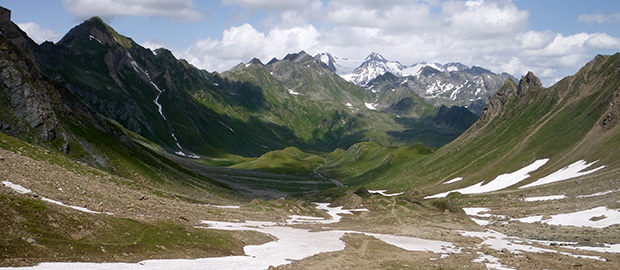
(226, 206)
(22, 190)
(500, 182)
(568, 172)
(598, 217)
(371, 106)
(598, 194)
(453, 180)
(383, 192)
(17, 188)
(545, 198)
(292, 92)
(491, 262)
(499, 242)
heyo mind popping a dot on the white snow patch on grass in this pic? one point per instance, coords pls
(292, 92)
(17, 188)
(568, 172)
(599, 217)
(453, 180)
(500, 182)
(370, 106)
(545, 198)
(383, 192)
(83, 209)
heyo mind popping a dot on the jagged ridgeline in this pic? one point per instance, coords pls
(575, 119)
(249, 110)
(37, 109)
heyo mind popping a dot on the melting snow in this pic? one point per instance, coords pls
(83, 209)
(568, 172)
(598, 194)
(370, 106)
(475, 211)
(383, 192)
(226, 206)
(491, 262)
(453, 180)
(23, 190)
(292, 92)
(499, 241)
(599, 217)
(545, 198)
(19, 189)
(500, 182)
(292, 244)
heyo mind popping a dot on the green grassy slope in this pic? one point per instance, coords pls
(572, 120)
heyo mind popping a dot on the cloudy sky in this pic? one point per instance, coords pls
(553, 38)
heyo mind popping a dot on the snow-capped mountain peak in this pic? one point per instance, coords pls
(373, 66)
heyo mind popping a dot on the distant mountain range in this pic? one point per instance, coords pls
(451, 84)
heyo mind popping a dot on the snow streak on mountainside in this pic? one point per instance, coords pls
(451, 84)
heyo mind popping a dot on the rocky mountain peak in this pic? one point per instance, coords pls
(376, 57)
(528, 83)
(297, 57)
(328, 60)
(95, 30)
(256, 61)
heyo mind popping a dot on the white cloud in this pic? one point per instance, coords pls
(494, 34)
(599, 18)
(268, 4)
(242, 43)
(38, 34)
(181, 10)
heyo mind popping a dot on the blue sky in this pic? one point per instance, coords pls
(553, 38)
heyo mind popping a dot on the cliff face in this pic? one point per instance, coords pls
(25, 108)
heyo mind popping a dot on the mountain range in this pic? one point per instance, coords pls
(111, 152)
(451, 84)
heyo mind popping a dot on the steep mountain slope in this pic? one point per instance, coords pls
(35, 108)
(452, 84)
(184, 109)
(571, 121)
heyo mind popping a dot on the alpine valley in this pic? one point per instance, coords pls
(115, 156)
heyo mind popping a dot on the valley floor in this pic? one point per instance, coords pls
(506, 230)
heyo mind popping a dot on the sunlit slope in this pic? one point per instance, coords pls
(576, 119)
